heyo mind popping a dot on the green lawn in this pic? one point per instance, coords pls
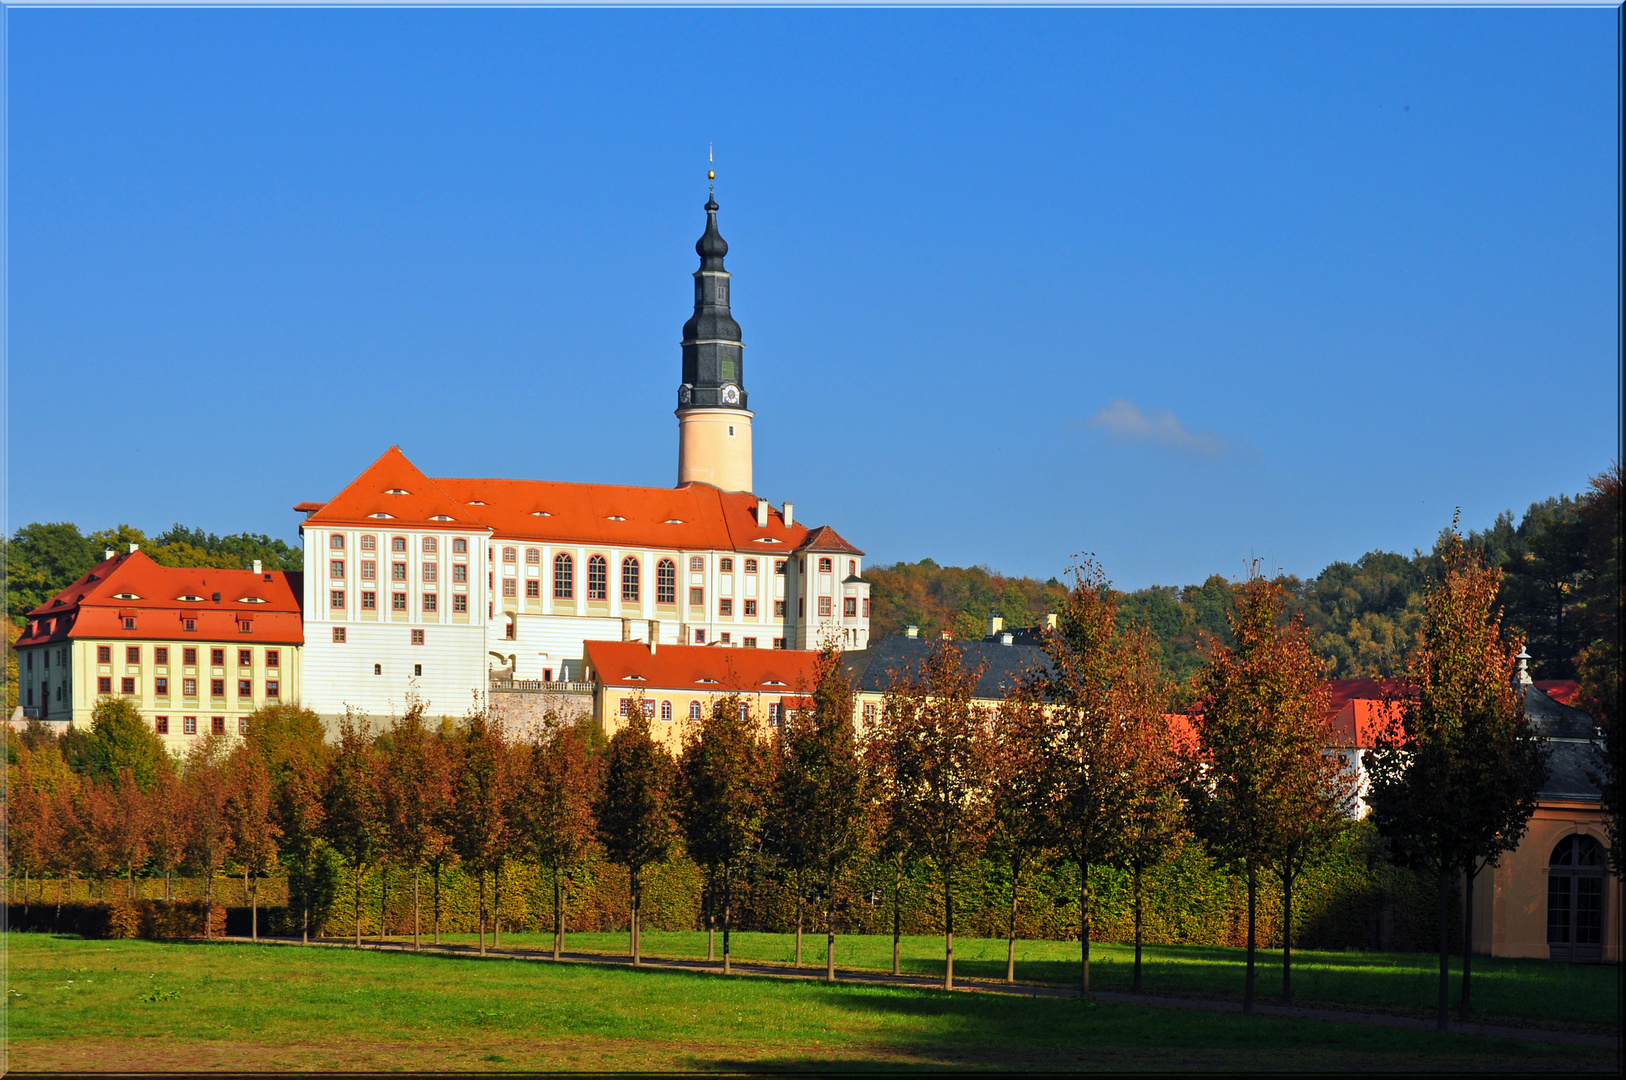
(1516, 990)
(145, 1006)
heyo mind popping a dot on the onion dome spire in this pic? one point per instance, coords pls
(713, 360)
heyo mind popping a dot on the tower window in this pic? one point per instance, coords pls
(666, 582)
(731, 431)
(824, 566)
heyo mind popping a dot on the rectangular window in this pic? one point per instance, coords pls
(750, 609)
(725, 607)
(189, 656)
(242, 725)
(338, 635)
(725, 638)
(189, 625)
(217, 687)
(160, 724)
(697, 595)
(626, 707)
(272, 657)
(824, 607)
(824, 566)
(417, 637)
(217, 657)
(508, 586)
(245, 626)
(696, 563)
(750, 643)
(779, 566)
(460, 572)
(725, 566)
(369, 601)
(533, 556)
(336, 541)
(245, 657)
(430, 602)
(460, 603)
(417, 670)
(533, 589)
(369, 570)
(132, 654)
(369, 543)
(273, 689)
(779, 643)
(335, 568)
(126, 686)
(104, 684)
(775, 713)
(245, 688)
(398, 601)
(129, 622)
(866, 607)
(460, 546)
(431, 571)
(336, 599)
(160, 655)
(849, 607)
(189, 688)
(750, 566)
(397, 543)
(189, 725)
(398, 571)
(104, 654)
(699, 637)
(160, 687)
(217, 725)
(869, 715)
(779, 608)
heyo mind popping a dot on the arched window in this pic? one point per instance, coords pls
(694, 710)
(598, 578)
(666, 710)
(852, 567)
(1575, 900)
(564, 577)
(666, 582)
(824, 566)
(629, 583)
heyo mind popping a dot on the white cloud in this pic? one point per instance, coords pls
(1124, 421)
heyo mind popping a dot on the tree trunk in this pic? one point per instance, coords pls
(1467, 933)
(304, 905)
(482, 912)
(798, 918)
(496, 906)
(948, 926)
(167, 899)
(1444, 1004)
(417, 916)
(1084, 927)
(437, 902)
(897, 919)
(254, 910)
(558, 916)
(383, 901)
(728, 900)
(358, 904)
(711, 917)
(208, 898)
(1287, 937)
(1253, 898)
(1010, 940)
(830, 927)
(1136, 984)
(632, 918)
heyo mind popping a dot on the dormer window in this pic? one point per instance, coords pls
(441, 517)
(616, 517)
(125, 596)
(674, 521)
(476, 502)
(397, 491)
(250, 600)
(381, 514)
(190, 599)
(540, 513)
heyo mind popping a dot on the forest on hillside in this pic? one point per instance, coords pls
(1560, 566)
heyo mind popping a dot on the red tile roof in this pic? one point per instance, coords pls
(824, 538)
(694, 517)
(96, 605)
(1563, 691)
(629, 665)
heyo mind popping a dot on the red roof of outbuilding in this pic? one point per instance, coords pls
(96, 605)
(629, 665)
(1563, 691)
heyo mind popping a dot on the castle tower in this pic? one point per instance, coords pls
(714, 425)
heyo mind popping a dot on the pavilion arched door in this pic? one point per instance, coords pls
(1575, 900)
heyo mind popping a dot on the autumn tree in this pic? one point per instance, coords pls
(290, 739)
(485, 770)
(168, 827)
(937, 738)
(1019, 819)
(722, 788)
(352, 812)
(888, 834)
(206, 789)
(634, 810)
(1454, 787)
(415, 788)
(1095, 702)
(251, 824)
(121, 738)
(557, 796)
(1599, 662)
(132, 825)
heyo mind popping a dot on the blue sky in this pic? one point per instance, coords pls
(1179, 288)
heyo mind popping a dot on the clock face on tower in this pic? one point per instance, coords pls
(731, 394)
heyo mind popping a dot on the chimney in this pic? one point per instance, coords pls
(996, 623)
(257, 566)
(911, 631)
(1050, 619)
(762, 513)
(1006, 637)
(653, 644)
(626, 629)
(134, 548)
(107, 554)
(789, 511)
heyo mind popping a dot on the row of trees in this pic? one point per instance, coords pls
(1081, 760)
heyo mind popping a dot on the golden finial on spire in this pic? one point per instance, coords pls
(711, 174)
